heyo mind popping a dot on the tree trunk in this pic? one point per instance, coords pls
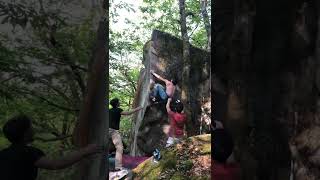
(275, 55)
(185, 93)
(206, 21)
(92, 126)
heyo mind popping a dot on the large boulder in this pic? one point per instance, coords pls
(163, 54)
(189, 160)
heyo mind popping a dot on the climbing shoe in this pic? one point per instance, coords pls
(156, 155)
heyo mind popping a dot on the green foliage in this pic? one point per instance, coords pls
(20, 14)
(164, 16)
(126, 43)
(125, 130)
(161, 15)
(45, 79)
(3, 142)
(125, 58)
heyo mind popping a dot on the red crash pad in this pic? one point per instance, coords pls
(131, 162)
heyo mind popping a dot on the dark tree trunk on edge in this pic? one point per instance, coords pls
(265, 56)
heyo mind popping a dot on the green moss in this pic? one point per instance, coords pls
(170, 160)
(178, 176)
(204, 142)
(188, 140)
(188, 164)
(205, 149)
(170, 164)
(3, 142)
(150, 170)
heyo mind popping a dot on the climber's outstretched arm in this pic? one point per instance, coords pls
(131, 112)
(54, 164)
(159, 77)
(168, 105)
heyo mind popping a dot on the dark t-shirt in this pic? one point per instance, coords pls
(114, 118)
(17, 162)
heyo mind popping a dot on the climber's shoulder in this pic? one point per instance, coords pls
(116, 110)
(168, 83)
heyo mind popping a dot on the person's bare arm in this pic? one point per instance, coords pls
(173, 133)
(168, 105)
(159, 77)
(68, 160)
(131, 112)
(169, 111)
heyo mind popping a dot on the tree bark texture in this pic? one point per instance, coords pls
(186, 95)
(266, 54)
(206, 21)
(92, 125)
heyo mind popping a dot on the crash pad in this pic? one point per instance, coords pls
(128, 161)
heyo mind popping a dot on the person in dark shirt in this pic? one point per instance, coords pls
(21, 161)
(114, 122)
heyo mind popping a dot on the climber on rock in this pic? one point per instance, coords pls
(177, 120)
(160, 91)
(114, 122)
(21, 161)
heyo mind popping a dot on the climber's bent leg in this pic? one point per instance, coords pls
(116, 139)
(156, 89)
(159, 89)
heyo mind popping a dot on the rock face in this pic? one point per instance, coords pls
(163, 54)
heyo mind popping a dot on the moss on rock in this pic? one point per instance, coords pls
(178, 162)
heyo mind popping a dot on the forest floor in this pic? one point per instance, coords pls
(190, 159)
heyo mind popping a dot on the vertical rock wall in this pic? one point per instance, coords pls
(163, 54)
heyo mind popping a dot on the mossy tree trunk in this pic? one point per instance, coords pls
(92, 125)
